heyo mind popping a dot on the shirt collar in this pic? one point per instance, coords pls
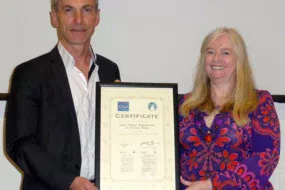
(68, 59)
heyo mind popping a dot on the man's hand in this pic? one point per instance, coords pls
(80, 183)
(197, 185)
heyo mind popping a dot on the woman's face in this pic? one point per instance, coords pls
(220, 60)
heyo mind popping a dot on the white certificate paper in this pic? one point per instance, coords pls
(137, 138)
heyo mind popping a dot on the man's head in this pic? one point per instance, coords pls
(75, 20)
(54, 4)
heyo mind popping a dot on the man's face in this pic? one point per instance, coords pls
(75, 21)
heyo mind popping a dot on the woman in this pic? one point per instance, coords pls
(229, 131)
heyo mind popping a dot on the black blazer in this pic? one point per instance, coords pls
(42, 135)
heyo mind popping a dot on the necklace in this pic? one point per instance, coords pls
(208, 137)
(208, 134)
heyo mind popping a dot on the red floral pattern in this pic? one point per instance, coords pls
(228, 160)
(237, 157)
(267, 122)
(268, 161)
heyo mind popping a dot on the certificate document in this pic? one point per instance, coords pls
(136, 137)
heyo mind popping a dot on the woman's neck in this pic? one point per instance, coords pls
(221, 93)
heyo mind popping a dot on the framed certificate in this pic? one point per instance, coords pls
(136, 136)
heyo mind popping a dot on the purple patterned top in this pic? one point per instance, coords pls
(237, 157)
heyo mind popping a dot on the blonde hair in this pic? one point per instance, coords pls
(54, 4)
(242, 100)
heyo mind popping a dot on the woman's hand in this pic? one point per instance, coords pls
(197, 185)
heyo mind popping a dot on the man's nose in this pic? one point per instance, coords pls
(78, 17)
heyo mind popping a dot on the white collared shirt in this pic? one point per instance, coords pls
(83, 94)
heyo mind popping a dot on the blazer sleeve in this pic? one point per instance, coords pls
(22, 142)
(108, 70)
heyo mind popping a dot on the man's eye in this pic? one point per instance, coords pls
(67, 10)
(87, 10)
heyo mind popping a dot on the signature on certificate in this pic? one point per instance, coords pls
(148, 143)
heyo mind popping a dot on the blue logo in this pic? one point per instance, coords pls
(152, 106)
(123, 106)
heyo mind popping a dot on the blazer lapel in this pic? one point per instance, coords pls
(59, 77)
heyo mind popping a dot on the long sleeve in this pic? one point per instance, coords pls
(22, 134)
(253, 172)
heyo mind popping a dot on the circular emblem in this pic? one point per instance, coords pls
(152, 106)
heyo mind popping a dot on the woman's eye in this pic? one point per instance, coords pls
(210, 52)
(226, 53)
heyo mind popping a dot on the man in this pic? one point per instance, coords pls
(51, 112)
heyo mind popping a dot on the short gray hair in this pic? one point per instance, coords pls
(54, 4)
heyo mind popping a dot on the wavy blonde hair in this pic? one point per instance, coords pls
(242, 100)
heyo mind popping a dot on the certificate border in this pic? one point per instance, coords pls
(101, 85)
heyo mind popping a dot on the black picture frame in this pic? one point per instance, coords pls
(4, 96)
(98, 139)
